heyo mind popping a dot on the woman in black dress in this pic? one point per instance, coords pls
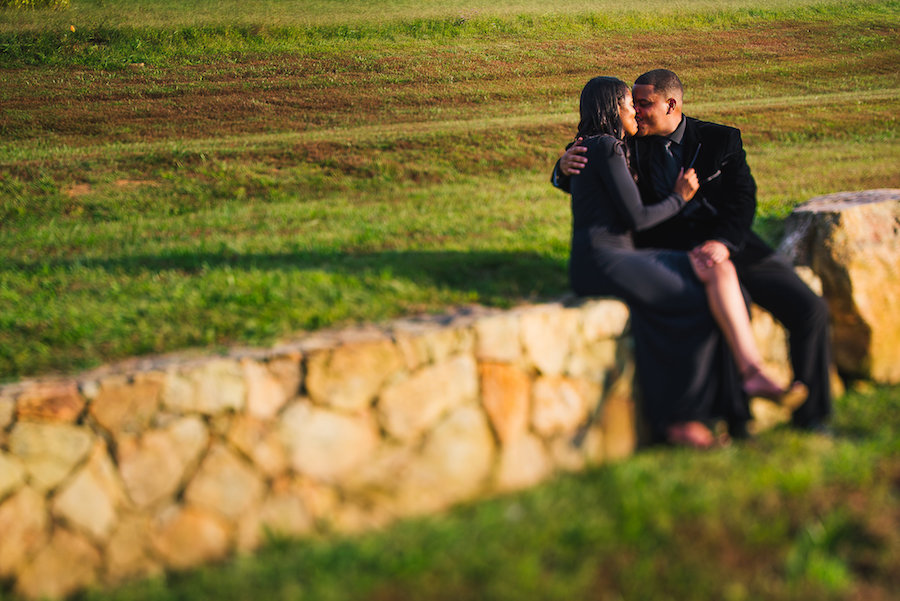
(680, 307)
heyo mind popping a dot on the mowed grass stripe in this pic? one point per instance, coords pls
(409, 130)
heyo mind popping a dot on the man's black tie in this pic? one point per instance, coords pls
(664, 168)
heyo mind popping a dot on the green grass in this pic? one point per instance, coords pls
(284, 170)
(786, 516)
(362, 14)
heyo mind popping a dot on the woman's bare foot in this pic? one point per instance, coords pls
(690, 434)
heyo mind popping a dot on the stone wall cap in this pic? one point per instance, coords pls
(840, 201)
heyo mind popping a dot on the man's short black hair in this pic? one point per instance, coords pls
(662, 80)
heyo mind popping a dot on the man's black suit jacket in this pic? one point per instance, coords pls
(723, 208)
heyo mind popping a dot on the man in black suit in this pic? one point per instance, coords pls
(718, 223)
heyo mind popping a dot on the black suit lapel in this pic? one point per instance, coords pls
(689, 145)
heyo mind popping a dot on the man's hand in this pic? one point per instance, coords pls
(710, 252)
(573, 161)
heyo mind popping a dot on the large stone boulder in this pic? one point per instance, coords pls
(851, 240)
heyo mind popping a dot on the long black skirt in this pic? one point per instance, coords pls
(684, 368)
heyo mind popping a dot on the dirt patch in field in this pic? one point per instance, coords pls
(390, 85)
(132, 183)
(78, 190)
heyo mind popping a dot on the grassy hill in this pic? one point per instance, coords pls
(180, 176)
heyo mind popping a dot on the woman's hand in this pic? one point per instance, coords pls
(687, 184)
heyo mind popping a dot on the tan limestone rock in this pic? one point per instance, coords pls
(324, 444)
(409, 407)
(350, 376)
(127, 406)
(498, 338)
(210, 387)
(568, 452)
(766, 415)
(7, 412)
(224, 483)
(431, 342)
(259, 441)
(89, 500)
(559, 405)
(851, 240)
(190, 438)
(809, 278)
(618, 419)
(68, 563)
(547, 335)
(128, 550)
(523, 463)
(266, 394)
(593, 445)
(187, 536)
(408, 336)
(49, 451)
(154, 465)
(443, 343)
(604, 319)
(286, 369)
(12, 474)
(454, 465)
(379, 473)
(151, 469)
(319, 499)
(771, 338)
(23, 522)
(505, 392)
(281, 515)
(595, 360)
(51, 401)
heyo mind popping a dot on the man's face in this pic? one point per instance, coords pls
(654, 117)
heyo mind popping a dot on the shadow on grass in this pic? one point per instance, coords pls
(493, 275)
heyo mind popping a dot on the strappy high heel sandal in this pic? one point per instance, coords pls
(758, 384)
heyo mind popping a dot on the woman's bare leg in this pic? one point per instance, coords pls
(727, 306)
(728, 309)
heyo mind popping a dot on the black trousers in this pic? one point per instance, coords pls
(774, 286)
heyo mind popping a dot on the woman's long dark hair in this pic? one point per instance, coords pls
(599, 107)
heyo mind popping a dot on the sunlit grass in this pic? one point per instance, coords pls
(253, 183)
(174, 13)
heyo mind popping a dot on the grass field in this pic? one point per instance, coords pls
(241, 172)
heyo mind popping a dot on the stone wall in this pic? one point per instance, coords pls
(167, 463)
